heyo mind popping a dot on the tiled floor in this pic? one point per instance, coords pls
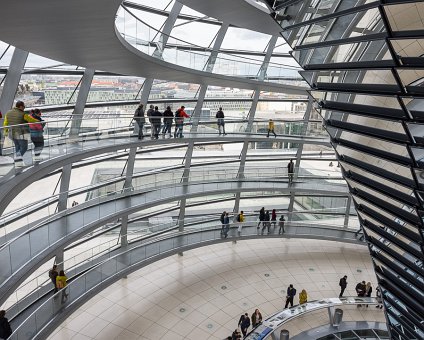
(202, 294)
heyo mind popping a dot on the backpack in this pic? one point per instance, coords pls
(222, 218)
(238, 218)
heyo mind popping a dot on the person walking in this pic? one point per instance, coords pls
(244, 323)
(261, 216)
(281, 225)
(274, 217)
(291, 293)
(36, 133)
(256, 318)
(290, 170)
(179, 122)
(53, 273)
(168, 117)
(220, 121)
(61, 284)
(149, 116)
(5, 329)
(379, 298)
(221, 218)
(16, 120)
(368, 290)
(156, 122)
(303, 297)
(343, 285)
(140, 120)
(266, 223)
(271, 127)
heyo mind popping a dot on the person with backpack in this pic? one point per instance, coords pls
(168, 117)
(36, 133)
(140, 120)
(343, 285)
(180, 114)
(220, 122)
(5, 329)
(291, 293)
(53, 273)
(281, 225)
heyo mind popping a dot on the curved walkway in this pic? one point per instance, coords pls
(39, 244)
(57, 29)
(51, 313)
(71, 152)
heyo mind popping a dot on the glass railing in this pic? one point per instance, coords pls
(147, 39)
(76, 134)
(120, 264)
(47, 207)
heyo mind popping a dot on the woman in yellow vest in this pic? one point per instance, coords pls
(303, 297)
(61, 284)
(271, 128)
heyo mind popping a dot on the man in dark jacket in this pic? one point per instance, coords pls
(149, 116)
(360, 290)
(140, 120)
(261, 216)
(168, 117)
(291, 293)
(343, 285)
(221, 123)
(290, 170)
(5, 329)
(244, 323)
(156, 121)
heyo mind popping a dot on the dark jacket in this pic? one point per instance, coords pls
(168, 116)
(5, 330)
(139, 115)
(219, 114)
(254, 321)
(290, 167)
(262, 215)
(369, 292)
(291, 292)
(244, 322)
(149, 114)
(343, 282)
(155, 117)
(360, 289)
(267, 218)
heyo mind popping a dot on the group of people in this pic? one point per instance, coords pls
(244, 323)
(265, 218)
(21, 126)
(59, 281)
(362, 290)
(155, 119)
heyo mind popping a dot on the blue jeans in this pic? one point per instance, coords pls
(178, 130)
(21, 146)
(167, 127)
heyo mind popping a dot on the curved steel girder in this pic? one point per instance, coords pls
(83, 33)
(13, 186)
(130, 260)
(41, 243)
(241, 13)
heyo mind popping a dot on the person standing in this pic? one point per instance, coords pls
(222, 217)
(360, 290)
(18, 132)
(168, 117)
(379, 298)
(36, 132)
(1, 137)
(343, 285)
(221, 123)
(149, 116)
(5, 329)
(281, 225)
(291, 293)
(140, 120)
(368, 290)
(256, 318)
(240, 220)
(266, 223)
(271, 127)
(261, 216)
(303, 297)
(290, 170)
(274, 217)
(61, 284)
(244, 323)
(156, 122)
(53, 273)
(179, 122)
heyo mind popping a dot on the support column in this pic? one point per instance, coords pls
(83, 92)
(347, 213)
(251, 116)
(217, 45)
(11, 83)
